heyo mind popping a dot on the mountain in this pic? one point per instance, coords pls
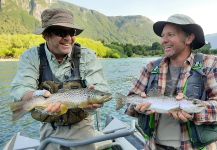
(212, 38)
(23, 16)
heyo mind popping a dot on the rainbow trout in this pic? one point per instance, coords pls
(75, 98)
(161, 104)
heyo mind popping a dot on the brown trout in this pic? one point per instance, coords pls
(75, 98)
(161, 104)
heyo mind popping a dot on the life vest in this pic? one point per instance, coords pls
(49, 82)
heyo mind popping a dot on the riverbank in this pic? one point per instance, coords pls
(9, 59)
(16, 59)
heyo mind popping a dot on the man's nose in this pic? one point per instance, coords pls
(67, 37)
(164, 39)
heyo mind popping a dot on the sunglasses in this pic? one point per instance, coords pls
(63, 32)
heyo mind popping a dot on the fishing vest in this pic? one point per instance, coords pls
(48, 81)
(200, 135)
(194, 86)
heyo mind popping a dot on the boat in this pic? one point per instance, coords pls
(117, 135)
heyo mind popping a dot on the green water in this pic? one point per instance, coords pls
(120, 74)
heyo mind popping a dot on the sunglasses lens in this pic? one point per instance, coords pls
(63, 33)
(72, 32)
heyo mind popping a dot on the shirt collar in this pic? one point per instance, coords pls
(188, 61)
(51, 56)
(48, 53)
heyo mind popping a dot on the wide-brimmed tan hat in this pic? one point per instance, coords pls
(187, 24)
(57, 17)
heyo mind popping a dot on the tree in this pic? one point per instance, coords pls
(128, 50)
(205, 49)
(156, 46)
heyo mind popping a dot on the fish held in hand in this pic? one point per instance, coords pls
(75, 98)
(161, 104)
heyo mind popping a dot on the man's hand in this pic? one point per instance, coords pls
(54, 107)
(181, 114)
(31, 94)
(51, 108)
(92, 107)
(43, 93)
(140, 108)
(143, 108)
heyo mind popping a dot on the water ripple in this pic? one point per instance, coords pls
(120, 74)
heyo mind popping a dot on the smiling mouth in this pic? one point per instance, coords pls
(168, 48)
(65, 44)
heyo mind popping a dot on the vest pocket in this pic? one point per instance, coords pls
(152, 87)
(195, 86)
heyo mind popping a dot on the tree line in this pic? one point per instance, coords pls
(129, 50)
(13, 46)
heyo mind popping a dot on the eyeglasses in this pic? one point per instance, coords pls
(63, 32)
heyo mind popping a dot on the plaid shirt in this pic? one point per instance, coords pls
(206, 116)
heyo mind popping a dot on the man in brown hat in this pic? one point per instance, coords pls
(59, 63)
(181, 72)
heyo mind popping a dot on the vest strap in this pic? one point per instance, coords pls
(47, 81)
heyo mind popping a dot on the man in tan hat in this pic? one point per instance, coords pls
(56, 64)
(179, 73)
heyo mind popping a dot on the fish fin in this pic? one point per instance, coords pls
(120, 100)
(82, 105)
(63, 109)
(17, 110)
(40, 108)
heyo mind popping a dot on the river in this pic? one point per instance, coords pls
(120, 74)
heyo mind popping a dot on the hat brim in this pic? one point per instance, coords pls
(78, 30)
(191, 28)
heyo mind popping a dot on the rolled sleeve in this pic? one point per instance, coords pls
(209, 115)
(141, 84)
(26, 78)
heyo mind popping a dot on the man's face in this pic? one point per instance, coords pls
(60, 40)
(175, 41)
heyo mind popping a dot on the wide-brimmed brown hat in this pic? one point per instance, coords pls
(57, 17)
(187, 24)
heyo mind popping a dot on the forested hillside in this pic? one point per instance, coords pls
(23, 17)
(109, 36)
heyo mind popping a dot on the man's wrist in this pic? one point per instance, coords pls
(44, 93)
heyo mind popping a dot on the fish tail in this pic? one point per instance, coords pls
(120, 100)
(17, 110)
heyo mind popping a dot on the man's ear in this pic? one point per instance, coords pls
(190, 39)
(45, 37)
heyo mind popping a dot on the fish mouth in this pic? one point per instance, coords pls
(110, 97)
(107, 97)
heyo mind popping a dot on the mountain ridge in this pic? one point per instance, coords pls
(212, 38)
(23, 16)
(17, 18)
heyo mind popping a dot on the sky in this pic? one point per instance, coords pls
(203, 12)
